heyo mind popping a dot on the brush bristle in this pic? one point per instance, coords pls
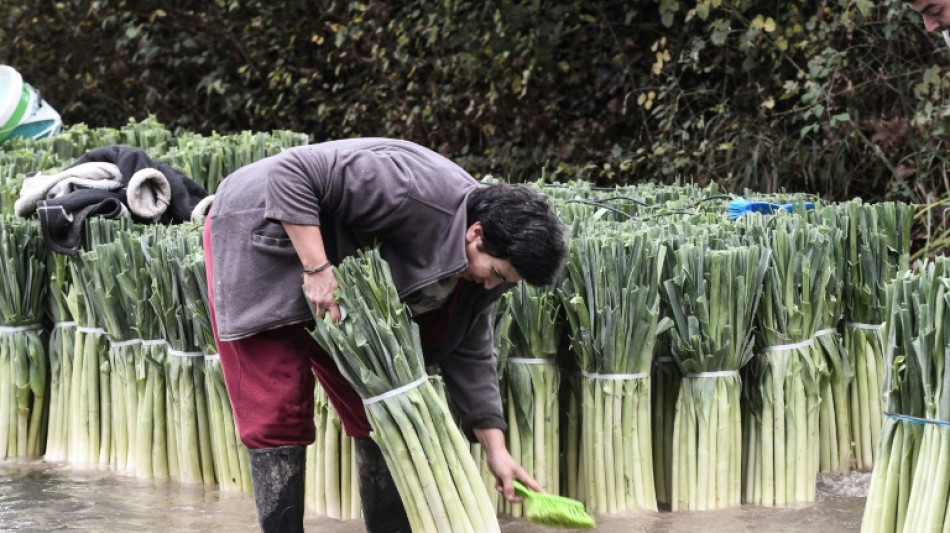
(552, 510)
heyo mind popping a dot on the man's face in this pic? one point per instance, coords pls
(484, 269)
(936, 13)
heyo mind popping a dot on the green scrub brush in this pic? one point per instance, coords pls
(552, 510)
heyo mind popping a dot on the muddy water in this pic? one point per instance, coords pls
(40, 496)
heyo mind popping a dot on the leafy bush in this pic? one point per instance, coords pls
(838, 97)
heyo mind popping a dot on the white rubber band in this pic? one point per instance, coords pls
(154, 342)
(528, 361)
(858, 325)
(719, 374)
(65, 324)
(180, 353)
(665, 359)
(396, 392)
(25, 327)
(84, 329)
(826, 331)
(787, 347)
(641, 375)
(120, 344)
(213, 357)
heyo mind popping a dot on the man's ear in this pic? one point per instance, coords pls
(474, 233)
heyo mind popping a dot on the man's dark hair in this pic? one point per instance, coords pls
(518, 225)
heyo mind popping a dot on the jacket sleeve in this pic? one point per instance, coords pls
(359, 189)
(471, 379)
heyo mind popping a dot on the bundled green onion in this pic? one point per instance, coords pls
(835, 373)
(89, 437)
(24, 369)
(780, 425)
(173, 291)
(531, 385)
(229, 456)
(713, 296)
(378, 350)
(612, 304)
(99, 272)
(61, 341)
(878, 243)
(332, 481)
(913, 362)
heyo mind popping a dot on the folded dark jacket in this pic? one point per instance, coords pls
(62, 218)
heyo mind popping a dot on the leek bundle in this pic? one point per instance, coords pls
(713, 296)
(878, 244)
(531, 384)
(24, 369)
(612, 306)
(98, 273)
(173, 290)
(378, 350)
(332, 481)
(835, 374)
(60, 349)
(151, 448)
(229, 456)
(913, 357)
(780, 420)
(89, 437)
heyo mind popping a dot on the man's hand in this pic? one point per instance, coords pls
(502, 465)
(319, 288)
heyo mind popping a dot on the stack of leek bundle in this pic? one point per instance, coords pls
(208, 160)
(76, 139)
(61, 342)
(231, 468)
(89, 436)
(712, 295)
(24, 370)
(611, 300)
(909, 484)
(531, 385)
(188, 428)
(331, 485)
(780, 420)
(835, 452)
(878, 245)
(14, 165)
(378, 350)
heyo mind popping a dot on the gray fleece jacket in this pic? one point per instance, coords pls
(407, 198)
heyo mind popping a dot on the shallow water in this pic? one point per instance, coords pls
(41, 496)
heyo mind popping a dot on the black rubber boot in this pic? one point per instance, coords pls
(277, 475)
(383, 511)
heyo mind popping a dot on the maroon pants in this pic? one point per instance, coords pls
(270, 377)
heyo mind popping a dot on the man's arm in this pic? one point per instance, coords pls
(471, 381)
(503, 465)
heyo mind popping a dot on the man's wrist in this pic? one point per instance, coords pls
(318, 269)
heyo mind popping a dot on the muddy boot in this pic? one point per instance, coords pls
(277, 475)
(383, 511)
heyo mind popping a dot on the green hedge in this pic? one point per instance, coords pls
(839, 97)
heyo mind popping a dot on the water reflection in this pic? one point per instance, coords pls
(40, 496)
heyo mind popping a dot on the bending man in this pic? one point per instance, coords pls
(453, 247)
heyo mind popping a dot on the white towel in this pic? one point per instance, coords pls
(148, 194)
(39, 187)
